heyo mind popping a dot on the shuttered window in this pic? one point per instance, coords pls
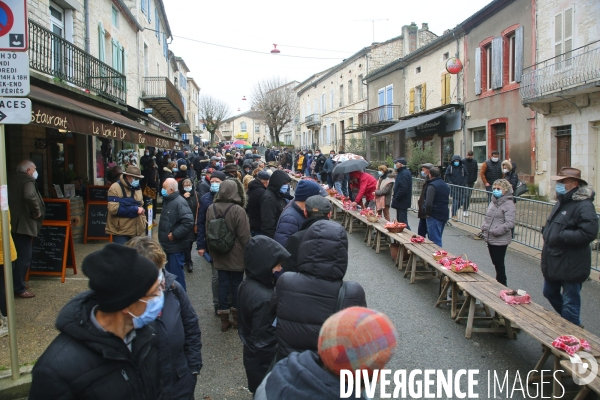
(149, 13)
(497, 62)
(446, 93)
(331, 96)
(411, 103)
(478, 71)
(519, 54)
(144, 6)
(323, 104)
(423, 97)
(563, 37)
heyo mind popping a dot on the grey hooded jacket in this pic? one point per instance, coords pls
(499, 220)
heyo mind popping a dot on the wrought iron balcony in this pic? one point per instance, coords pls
(160, 94)
(575, 71)
(52, 55)
(383, 115)
(312, 120)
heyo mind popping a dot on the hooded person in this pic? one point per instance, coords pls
(293, 217)
(273, 201)
(256, 189)
(355, 338)
(457, 175)
(322, 264)
(126, 216)
(366, 187)
(204, 186)
(263, 258)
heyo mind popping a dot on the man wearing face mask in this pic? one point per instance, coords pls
(126, 217)
(471, 165)
(566, 256)
(491, 171)
(107, 346)
(436, 204)
(174, 229)
(273, 201)
(456, 174)
(401, 198)
(27, 213)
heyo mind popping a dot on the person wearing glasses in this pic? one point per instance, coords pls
(107, 346)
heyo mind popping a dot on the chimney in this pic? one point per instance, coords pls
(425, 26)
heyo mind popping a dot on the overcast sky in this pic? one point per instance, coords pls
(336, 28)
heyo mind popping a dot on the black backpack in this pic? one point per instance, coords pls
(219, 237)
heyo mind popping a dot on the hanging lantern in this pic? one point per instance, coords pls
(453, 65)
(275, 50)
(239, 109)
(243, 97)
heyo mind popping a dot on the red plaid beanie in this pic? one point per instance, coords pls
(357, 338)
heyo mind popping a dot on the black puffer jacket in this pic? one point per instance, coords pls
(84, 362)
(255, 192)
(402, 195)
(255, 319)
(570, 228)
(175, 217)
(293, 243)
(322, 264)
(472, 170)
(193, 202)
(456, 175)
(272, 203)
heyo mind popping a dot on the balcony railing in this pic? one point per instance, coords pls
(381, 114)
(312, 120)
(575, 68)
(159, 91)
(52, 55)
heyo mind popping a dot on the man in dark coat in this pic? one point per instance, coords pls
(273, 202)
(491, 171)
(286, 159)
(402, 195)
(263, 257)
(472, 173)
(176, 224)
(204, 186)
(27, 213)
(437, 198)
(104, 349)
(456, 174)
(256, 188)
(319, 163)
(566, 256)
(317, 208)
(322, 264)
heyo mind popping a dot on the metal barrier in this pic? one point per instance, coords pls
(469, 206)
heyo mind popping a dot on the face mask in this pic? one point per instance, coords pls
(317, 154)
(135, 183)
(455, 163)
(495, 159)
(153, 307)
(423, 174)
(35, 175)
(560, 188)
(331, 155)
(146, 153)
(497, 193)
(284, 188)
(505, 171)
(187, 188)
(380, 173)
(214, 187)
(164, 192)
(277, 274)
(175, 169)
(195, 151)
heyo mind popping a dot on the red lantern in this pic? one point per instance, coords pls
(275, 49)
(453, 65)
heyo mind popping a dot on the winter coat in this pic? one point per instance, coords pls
(205, 202)
(231, 192)
(319, 163)
(366, 185)
(490, 171)
(499, 220)
(255, 192)
(180, 342)
(165, 174)
(300, 376)
(421, 202)
(193, 202)
(512, 177)
(290, 221)
(152, 178)
(203, 187)
(84, 362)
(123, 203)
(322, 264)
(402, 196)
(286, 160)
(175, 217)
(13, 249)
(255, 319)
(456, 175)
(570, 228)
(328, 165)
(300, 162)
(472, 168)
(437, 199)
(385, 187)
(293, 244)
(25, 203)
(270, 155)
(272, 203)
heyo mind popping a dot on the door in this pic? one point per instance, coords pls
(389, 100)
(380, 104)
(563, 152)
(57, 25)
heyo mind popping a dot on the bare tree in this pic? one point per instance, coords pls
(213, 111)
(275, 98)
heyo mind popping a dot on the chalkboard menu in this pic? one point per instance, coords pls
(57, 210)
(95, 221)
(97, 193)
(49, 249)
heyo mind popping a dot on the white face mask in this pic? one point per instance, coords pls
(35, 175)
(495, 159)
(505, 171)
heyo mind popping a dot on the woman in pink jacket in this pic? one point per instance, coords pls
(366, 187)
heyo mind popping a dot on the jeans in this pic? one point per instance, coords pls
(215, 287)
(402, 216)
(24, 247)
(188, 255)
(435, 229)
(422, 230)
(497, 254)
(489, 190)
(567, 304)
(345, 184)
(338, 186)
(467, 197)
(329, 180)
(120, 239)
(457, 194)
(175, 262)
(229, 282)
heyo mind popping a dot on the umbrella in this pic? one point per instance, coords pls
(241, 144)
(347, 156)
(352, 165)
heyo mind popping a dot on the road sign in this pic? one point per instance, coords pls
(15, 110)
(14, 73)
(13, 25)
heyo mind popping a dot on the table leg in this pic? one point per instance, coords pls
(413, 273)
(470, 320)
(377, 242)
(464, 308)
(410, 261)
(400, 258)
(443, 293)
(351, 223)
(454, 301)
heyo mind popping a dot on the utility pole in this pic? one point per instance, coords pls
(373, 23)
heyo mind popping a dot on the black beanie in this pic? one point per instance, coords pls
(119, 276)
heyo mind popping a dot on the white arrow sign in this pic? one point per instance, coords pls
(14, 73)
(15, 110)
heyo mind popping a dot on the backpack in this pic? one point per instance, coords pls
(219, 237)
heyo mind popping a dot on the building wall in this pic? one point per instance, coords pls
(39, 12)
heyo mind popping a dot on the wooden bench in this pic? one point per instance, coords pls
(585, 389)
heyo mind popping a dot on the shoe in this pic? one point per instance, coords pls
(478, 236)
(190, 267)
(234, 317)
(466, 214)
(225, 324)
(25, 295)
(3, 326)
(454, 218)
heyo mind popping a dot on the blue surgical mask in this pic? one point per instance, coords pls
(497, 193)
(277, 274)
(455, 163)
(175, 169)
(188, 188)
(164, 192)
(135, 183)
(153, 307)
(560, 188)
(214, 187)
(284, 188)
(423, 174)
(380, 173)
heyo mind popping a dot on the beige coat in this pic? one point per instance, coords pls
(124, 226)
(25, 203)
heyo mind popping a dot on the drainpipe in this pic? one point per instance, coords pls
(86, 7)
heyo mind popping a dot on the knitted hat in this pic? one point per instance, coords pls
(357, 338)
(307, 188)
(219, 175)
(119, 276)
(263, 175)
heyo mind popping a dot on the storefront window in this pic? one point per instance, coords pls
(479, 145)
(447, 151)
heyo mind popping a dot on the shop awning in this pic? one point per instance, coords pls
(409, 123)
(53, 110)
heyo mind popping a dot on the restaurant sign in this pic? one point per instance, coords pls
(445, 123)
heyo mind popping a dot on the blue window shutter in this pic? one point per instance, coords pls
(519, 54)
(497, 63)
(478, 67)
(149, 13)
(144, 6)
(115, 54)
(101, 50)
(156, 24)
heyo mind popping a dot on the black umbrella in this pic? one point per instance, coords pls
(350, 166)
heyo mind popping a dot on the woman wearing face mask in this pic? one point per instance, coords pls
(178, 330)
(191, 196)
(167, 172)
(499, 221)
(510, 174)
(383, 193)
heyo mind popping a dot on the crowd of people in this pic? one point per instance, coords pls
(135, 333)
